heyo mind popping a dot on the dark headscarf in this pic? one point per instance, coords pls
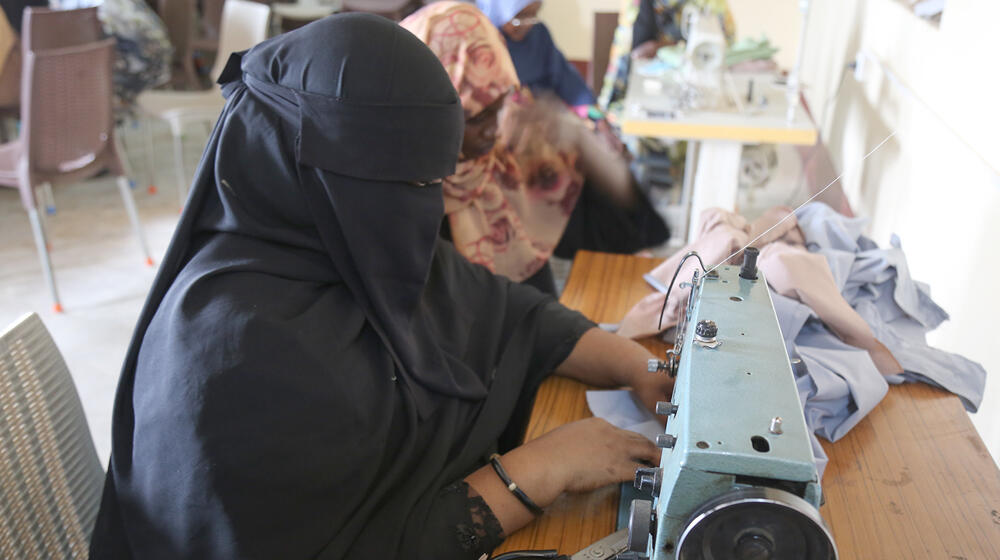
(364, 126)
(541, 66)
(312, 368)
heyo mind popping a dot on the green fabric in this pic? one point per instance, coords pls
(749, 49)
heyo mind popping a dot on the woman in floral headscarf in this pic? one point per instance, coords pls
(518, 179)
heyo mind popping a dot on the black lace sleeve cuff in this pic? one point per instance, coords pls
(462, 525)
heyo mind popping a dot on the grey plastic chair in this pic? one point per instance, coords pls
(67, 130)
(62, 29)
(55, 29)
(48, 29)
(50, 476)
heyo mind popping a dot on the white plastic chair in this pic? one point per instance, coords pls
(244, 24)
(50, 476)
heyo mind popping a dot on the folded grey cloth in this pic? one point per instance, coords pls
(839, 384)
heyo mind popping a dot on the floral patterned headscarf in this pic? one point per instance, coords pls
(508, 208)
(471, 50)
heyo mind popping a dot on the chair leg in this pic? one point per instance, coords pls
(43, 256)
(179, 164)
(150, 163)
(40, 200)
(49, 199)
(190, 73)
(133, 216)
(123, 157)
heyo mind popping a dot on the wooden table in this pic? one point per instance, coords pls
(913, 480)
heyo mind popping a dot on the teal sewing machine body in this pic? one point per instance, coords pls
(737, 478)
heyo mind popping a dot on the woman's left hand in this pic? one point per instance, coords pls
(653, 387)
(603, 359)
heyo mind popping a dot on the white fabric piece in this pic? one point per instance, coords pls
(620, 408)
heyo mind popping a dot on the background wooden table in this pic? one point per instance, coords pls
(913, 480)
(716, 136)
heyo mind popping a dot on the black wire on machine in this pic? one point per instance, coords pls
(526, 554)
(659, 325)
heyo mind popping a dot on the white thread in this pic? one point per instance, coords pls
(810, 199)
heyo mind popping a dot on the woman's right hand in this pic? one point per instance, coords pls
(580, 456)
(591, 453)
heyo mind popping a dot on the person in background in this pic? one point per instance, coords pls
(315, 373)
(143, 51)
(643, 27)
(540, 64)
(523, 161)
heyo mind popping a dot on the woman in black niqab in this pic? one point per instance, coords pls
(314, 373)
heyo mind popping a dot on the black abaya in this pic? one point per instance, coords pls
(314, 372)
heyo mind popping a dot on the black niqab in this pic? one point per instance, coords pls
(313, 369)
(371, 119)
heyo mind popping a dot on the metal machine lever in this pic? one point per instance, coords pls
(669, 366)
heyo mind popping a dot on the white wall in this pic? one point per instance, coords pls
(572, 24)
(937, 182)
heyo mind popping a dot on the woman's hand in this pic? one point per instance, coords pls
(591, 453)
(644, 318)
(576, 457)
(646, 50)
(603, 359)
(651, 388)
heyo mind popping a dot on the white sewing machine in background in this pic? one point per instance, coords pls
(717, 111)
(705, 48)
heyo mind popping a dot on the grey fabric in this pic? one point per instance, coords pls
(50, 476)
(838, 383)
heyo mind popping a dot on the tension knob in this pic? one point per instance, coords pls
(666, 441)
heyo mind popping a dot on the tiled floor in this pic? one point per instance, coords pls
(98, 266)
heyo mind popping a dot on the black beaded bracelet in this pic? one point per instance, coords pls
(512, 486)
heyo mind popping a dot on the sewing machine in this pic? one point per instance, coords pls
(705, 48)
(736, 478)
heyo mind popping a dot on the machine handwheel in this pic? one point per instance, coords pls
(756, 524)
(640, 525)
